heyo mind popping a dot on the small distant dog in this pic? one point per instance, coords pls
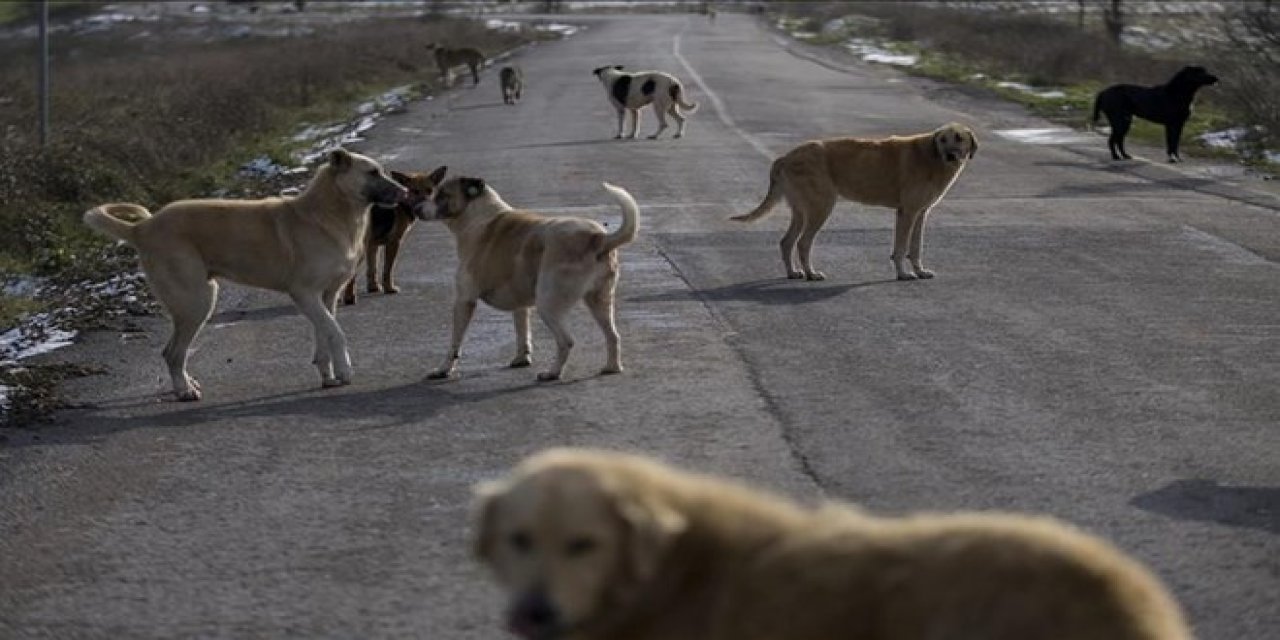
(596, 545)
(512, 79)
(306, 246)
(516, 260)
(907, 173)
(388, 227)
(1168, 104)
(632, 91)
(447, 59)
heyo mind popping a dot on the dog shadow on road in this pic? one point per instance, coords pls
(567, 143)
(773, 291)
(1208, 501)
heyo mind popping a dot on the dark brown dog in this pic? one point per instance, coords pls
(388, 226)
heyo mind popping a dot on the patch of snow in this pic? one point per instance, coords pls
(872, 53)
(1049, 135)
(495, 24)
(38, 335)
(21, 286)
(565, 30)
(1025, 88)
(1225, 139)
(4, 398)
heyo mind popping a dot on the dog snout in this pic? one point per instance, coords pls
(534, 616)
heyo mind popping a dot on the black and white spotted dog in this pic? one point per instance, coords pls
(632, 91)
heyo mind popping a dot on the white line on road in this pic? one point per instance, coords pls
(716, 102)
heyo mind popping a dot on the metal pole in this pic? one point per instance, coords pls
(44, 72)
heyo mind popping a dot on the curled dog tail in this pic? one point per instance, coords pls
(770, 199)
(118, 220)
(676, 92)
(630, 220)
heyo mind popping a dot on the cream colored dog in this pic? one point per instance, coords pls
(909, 174)
(630, 92)
(307, 247)
(516, 260)
(604, 546)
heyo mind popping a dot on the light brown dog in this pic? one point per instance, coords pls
(306, 246)
(593, 545)
(909, 174)
(388, 226)
(447, 59)
(517, 260)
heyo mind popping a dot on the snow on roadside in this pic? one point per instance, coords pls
(870, 52)
(1053, 94)
(1236, 138)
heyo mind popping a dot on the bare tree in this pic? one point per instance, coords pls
(1113, 19)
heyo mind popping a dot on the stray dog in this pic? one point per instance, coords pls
(515, 260)
(907, 173)
(306, 246)
(447, 59)
(632, 91)
(1168, 104)
(592, 545)
(512, 79)
(388, 227)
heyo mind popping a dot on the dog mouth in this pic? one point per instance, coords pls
(952, 156)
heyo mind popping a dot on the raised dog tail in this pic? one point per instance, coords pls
(118, 220)
(770, 199)
(677, 93)
(630, 220)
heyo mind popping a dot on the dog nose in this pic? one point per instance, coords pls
(534, 615)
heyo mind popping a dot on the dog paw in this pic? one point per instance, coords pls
(611, 370)
(618, 137)
(795, 275)
(348, 300)
(815, 275)
(924, 274)
(374, 288)
(521, 361)
(653, 137)
(189, 395)
(908, 276)
(548, 376)
(391, 289)
(678, 135)
(440, 374)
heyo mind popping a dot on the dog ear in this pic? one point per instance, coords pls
(484, 507)
(340, 159)
(651, 530)
(402, 178)
(617, 67)
(472, 187)
(973, 142)
(437, 176)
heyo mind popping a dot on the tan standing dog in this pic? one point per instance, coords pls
(447, 59)
(909, 174)
(388, 227)
(593, 545)
(518, 260)
(306, 246)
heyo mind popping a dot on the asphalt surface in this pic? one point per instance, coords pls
(1101, 344)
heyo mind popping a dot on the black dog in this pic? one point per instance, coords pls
(1168, 104)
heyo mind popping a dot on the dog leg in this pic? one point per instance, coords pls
(1172, 135)
(679, 118)
(524, 343)
(788, 245)
(189, 307)
(349, 291)
(805, 247)
(902, 224)
(662, 123)
(371, 269)
(320, 356)
(1119, 129)
(812, 203)
(389, 255)
(622, 115)
(463, 309)
(552, 308)
(635, 123)
(601, 304)
(334, 362)
(916, 252)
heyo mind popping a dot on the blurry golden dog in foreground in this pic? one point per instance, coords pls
(604, 546)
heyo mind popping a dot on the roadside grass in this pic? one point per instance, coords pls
(985, 49)
(151, 118)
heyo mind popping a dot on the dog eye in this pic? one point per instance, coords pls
(579, 547)
(521, 542)
(373, 172)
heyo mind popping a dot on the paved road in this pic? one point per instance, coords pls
(1101, 344)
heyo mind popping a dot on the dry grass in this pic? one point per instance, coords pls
(155, 119)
